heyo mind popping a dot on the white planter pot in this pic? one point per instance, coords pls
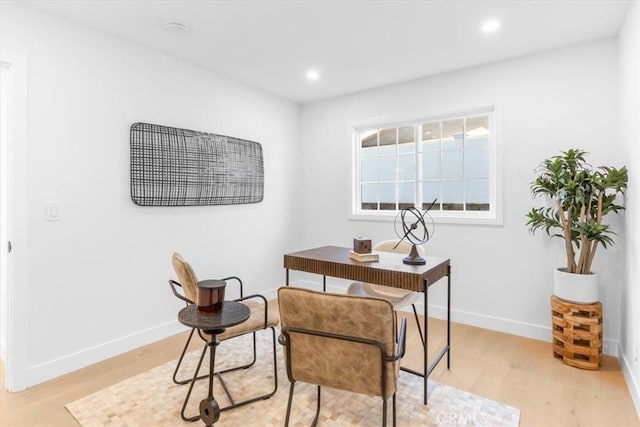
(576, 288)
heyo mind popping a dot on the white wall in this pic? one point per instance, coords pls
(630, 135)
(4, 86)
(97, 279)
(502, 276)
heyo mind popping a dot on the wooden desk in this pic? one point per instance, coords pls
(334, 261)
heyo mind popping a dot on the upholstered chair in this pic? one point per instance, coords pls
(340, 341)
(260, 318)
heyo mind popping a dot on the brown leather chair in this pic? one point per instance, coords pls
(341, 341)
(260, 318)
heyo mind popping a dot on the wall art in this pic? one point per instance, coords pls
(181, 167)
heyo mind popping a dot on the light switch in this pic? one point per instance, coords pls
(52, 211)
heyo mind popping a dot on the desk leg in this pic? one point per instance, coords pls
(426, 338)
(287, 277)
(324, 283)
(449, 317)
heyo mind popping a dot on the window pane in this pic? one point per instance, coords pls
(452, 134)
(477, 163)
(407, 195)
(369, 170)
(452, 195)
(432, 146)
(431, 191)
(387, 150)
(431, 131)
(387, 168)
(478, 132)
(406, 143)
(477, 192)
(431, 165)
(407, 167)
(405, 134)
(452, 164)
(431, 137)
(369, 196)
(388, 136)
(431, 205)
(369, 138)
(408, 147)
(369, 152)
(387, 194)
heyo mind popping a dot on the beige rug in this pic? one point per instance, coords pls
(152, 399)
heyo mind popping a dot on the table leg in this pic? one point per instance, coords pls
(209, 408)
(193, 381)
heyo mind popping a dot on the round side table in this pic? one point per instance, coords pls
(232, 313)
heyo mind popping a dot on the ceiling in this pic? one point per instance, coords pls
(354, 45)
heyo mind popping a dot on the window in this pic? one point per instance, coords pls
(447, 164)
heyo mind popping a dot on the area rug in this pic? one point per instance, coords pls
(152, 399)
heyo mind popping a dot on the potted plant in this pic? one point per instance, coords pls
(582, 196)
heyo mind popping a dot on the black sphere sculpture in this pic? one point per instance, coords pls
(416, 230)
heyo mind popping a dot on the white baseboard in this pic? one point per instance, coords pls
(74, 361)
(499, 324)
(509, 326)
(632, 382)
(71, 362)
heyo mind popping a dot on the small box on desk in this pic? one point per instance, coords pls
(361, 245)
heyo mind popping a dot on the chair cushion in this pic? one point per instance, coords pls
(186, 276)
(398, 297)
(255, 321)
(403, 247)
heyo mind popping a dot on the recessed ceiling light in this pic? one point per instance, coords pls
(490, 26)
(313, 75)
(176, 28)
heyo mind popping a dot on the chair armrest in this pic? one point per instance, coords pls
(284, 340)
(266, 305)
(402, 341)
(239, 283)
(173, 285)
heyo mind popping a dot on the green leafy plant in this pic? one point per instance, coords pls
(581, 196)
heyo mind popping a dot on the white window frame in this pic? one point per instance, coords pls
(491, 217)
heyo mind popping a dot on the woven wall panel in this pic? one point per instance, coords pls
(180, 167)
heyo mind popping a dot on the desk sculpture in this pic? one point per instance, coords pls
(417, 232)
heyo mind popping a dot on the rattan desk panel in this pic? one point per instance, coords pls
(334, 261)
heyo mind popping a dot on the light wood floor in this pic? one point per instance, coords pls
(513, 370)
